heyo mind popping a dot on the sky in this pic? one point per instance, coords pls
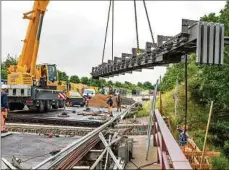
(73, 31)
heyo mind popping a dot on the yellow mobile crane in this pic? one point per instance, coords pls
(28, 83)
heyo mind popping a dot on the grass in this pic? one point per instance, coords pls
(145, 109)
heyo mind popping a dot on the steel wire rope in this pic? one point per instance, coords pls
(147, 15)
(112, 30)
(136, 26)
(105, 39)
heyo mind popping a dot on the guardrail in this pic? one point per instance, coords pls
(169, 154)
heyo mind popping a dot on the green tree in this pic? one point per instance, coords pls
(74, 79)
(140, 84)
(94, 82)
(127, 83)
(10, 61)
(63, 76)
(110, 83)
(118, 84)
(148, 85)
(103, 82)
(4, 65)
(85, 80)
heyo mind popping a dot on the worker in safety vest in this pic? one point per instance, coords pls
(4, 107)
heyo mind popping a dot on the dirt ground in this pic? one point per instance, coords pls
(100, 100)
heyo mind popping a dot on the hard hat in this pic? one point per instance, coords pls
(4, 86)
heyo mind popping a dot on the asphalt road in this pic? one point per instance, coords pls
(31, 148)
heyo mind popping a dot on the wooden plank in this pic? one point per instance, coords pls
(193, 146)
(199, 153)
(206, 134)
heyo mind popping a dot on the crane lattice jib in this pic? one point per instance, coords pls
(28, 57)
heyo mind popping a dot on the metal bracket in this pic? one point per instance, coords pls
(25, 15)
(186, 23)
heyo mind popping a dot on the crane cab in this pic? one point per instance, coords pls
(46, 76)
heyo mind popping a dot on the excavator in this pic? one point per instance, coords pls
(31, 84)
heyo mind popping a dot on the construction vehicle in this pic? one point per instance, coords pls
(28, 83)
(74, 98)
(89, 93)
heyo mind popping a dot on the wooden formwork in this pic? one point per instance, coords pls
(194, 154)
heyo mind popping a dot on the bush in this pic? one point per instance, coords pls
(145, 109)
(220, 162)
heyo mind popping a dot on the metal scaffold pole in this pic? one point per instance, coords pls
(186, 92)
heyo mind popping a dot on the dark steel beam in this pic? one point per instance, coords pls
(205, 39)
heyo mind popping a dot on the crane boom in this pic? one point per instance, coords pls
(28, 58)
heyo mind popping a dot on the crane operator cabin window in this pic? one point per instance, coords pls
(52, 73)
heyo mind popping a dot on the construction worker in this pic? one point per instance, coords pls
(183, 136)
(119, 101)
(4, 107)
(110, 104)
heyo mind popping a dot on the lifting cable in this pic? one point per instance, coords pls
(105, 40)
(151, 32)
(112, 30)
(136, 25)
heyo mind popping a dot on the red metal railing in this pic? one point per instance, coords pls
(169, 154)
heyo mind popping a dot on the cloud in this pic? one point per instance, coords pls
(73, 31)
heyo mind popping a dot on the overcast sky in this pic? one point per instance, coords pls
(73, 32)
